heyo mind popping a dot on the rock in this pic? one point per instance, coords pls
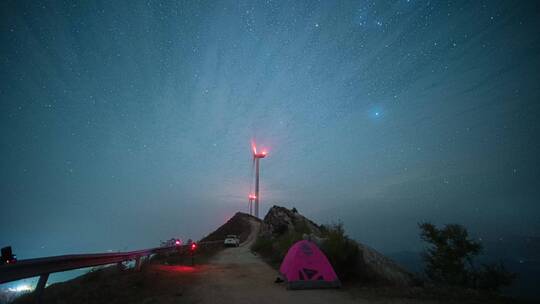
(280, 220)
(381, 270)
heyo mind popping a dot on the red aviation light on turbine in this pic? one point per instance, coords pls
(256, 154)
(261, 154)
(252, 196)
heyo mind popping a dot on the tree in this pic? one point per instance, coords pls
(449, 259)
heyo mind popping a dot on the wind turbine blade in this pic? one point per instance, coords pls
(253, 147)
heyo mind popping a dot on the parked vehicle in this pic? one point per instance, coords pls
(171, 242)
(7, 256)
(231, 240)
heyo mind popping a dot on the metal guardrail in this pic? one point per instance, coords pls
(42, 267)
(36, 267)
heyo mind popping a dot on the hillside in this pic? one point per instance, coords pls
(239, 225)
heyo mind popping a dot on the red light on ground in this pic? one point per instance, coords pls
(177, 242)
(193, 246)
(182, 268)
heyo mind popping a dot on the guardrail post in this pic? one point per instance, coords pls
(40, 287)
(138, 263)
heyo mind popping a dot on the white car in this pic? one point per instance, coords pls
(231, 240)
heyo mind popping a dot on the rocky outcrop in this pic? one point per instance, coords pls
(279, 220)
(372, 266)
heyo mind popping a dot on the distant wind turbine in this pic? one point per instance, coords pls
(256, 157)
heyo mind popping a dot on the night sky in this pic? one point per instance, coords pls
(124, 123)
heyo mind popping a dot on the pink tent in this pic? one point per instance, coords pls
(305, 266)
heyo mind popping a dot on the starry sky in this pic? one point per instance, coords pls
(124, 123)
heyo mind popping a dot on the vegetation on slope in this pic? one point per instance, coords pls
(341, 251)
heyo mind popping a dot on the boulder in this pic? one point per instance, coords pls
(279, 220)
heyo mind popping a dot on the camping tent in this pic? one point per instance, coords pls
(305, 266)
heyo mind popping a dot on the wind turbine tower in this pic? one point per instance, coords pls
(251, 198)
(256, 157)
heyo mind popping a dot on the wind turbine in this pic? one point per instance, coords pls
(256, 157)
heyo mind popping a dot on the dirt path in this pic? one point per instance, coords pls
(235, 275)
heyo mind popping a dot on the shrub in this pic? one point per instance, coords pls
(281, 229)
(302, 228)
(285, 242)
(341, 251)
(493, 277)
(276, 248)
(262, 245)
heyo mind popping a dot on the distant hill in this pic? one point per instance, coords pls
(239, 225)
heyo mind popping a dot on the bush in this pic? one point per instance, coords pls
(301, 228)
(276, 248)
(285, 242)
(262, 245)
(493, 277)
(449, 259)
(341, 251)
